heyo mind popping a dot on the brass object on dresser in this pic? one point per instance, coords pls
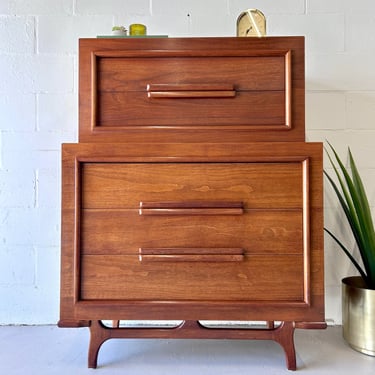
(251, 22)
(192, 195)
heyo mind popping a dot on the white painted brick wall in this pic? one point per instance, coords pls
(37, 7)
(112, 7)
(38, 111)
(53, 38)
(17, 34)
(329, 39)
(269, 6)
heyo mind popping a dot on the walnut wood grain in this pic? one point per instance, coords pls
(255, 230)
(257, 185)
(124, 277)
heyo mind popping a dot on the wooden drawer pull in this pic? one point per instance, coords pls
(186, 90)
(190, 208)
(191, 254)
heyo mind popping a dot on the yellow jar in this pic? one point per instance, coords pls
(137, 29)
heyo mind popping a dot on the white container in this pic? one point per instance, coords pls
(119, 32)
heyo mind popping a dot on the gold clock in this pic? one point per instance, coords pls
(251, 22)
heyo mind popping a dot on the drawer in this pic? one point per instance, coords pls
(240, 108)
(191, 90)
(255, 231)
(170, 90)
(253, 185)
(248, 231)
(128, 73)
(250, 278)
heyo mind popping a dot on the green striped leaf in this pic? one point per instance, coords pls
(354, 202)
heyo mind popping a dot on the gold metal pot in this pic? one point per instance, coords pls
(358, 315)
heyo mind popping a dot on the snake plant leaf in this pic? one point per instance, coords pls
(363, 204)
(349, 255)
(345, 198)
(356, 211)
(354, 202)
(352, 225)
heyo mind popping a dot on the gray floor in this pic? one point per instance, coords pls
(54, 351)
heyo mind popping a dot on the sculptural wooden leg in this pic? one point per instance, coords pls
(98, 335)
(284, 335)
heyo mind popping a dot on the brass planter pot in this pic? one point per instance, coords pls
(358, 315)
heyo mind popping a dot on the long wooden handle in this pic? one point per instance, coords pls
(190, 208)
(191, 254)
(187, 90)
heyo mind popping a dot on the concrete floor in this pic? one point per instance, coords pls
(54, 351)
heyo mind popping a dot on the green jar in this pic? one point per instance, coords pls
(137, 29)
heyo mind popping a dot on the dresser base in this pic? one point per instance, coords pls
(283, 334)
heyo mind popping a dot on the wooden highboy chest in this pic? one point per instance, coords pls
(192, 195)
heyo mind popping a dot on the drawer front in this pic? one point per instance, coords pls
(200, 231)
(255, 231)
(191, 90)
(181, 91)
(129, 73)
(248, 231)
(252, 278)
(254, 185)
(246, 241)
(244, 108)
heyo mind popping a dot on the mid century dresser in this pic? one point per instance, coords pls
(192, 195)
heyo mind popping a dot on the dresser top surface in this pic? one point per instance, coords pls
(295, 42)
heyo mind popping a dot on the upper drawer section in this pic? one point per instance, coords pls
(192, 89)
(255, 185)
(164, 89)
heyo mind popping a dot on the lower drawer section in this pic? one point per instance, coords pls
(251, 277)
(121, 232)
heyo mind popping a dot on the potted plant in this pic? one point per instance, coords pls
(119, 30)
(358, 292)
